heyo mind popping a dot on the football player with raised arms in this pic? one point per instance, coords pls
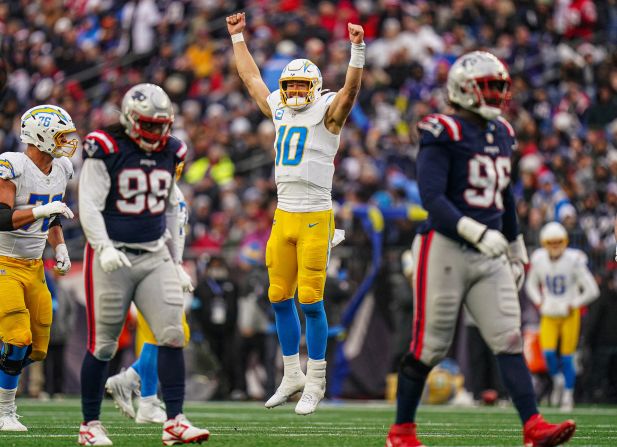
(308, 124)
(32, 187)
(128, 211)
(560, 283)
(469, 251)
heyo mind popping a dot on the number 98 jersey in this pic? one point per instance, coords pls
(140, 183)
(464, 170)
(305, 151)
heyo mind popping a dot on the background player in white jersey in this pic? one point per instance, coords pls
(560, 283)
(308, 126)
(32, 185)
(128, 211)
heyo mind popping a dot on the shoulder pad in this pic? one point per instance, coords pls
(439, 127)
(536, 256)
(67, 166)
(579, 256)
(274, 101)
(328, 97)
(99, 144)
(509, 129)
(11, 165)
(177, 146)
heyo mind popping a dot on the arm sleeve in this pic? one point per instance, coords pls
(532, 286)
(433, 166)
(510, 221)
(171, 220)
(587, 282)
(94, 184)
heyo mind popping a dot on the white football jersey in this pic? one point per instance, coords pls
(32, 188)
(556, 286)
(305, 151)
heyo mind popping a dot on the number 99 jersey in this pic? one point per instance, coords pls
(139, 186)
(305, 151)
(464, 170)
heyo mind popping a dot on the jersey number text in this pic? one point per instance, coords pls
(290, 141)
(140, 191)
(487, 178)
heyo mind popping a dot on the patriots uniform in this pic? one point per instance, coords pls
(135, 206)
(464, 170)
(128, 200)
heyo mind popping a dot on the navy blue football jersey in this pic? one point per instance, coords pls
(464, 170)
(140, 183)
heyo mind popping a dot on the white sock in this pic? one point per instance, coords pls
(291, 365)
(148, 399)
(132, 374)
(7, 397)
(316, 369)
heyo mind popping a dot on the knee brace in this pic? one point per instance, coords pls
(414, 368)
(12, 359)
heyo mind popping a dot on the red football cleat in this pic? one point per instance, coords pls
(539, 433)
(403, 435)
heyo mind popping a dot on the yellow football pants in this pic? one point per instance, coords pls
(564, 329)
(25, 305)
(297, 255)
(144, 333)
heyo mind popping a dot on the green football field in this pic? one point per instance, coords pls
(345, 424)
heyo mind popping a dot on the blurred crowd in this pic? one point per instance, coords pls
(562, 55)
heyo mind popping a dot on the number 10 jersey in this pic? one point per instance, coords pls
(305, 151)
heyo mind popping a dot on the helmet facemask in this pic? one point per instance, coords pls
(66, 143)
(297, 98)
(151, 134)
(492, 95)
(555, 247)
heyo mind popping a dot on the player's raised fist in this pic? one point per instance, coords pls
(236, 23)
(356, 33)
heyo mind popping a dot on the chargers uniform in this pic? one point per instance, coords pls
(463, 170)
(298, 250)
(124, 195)
(560, 288)
(25, 301)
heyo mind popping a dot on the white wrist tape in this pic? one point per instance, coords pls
(357, 55)
(470, 229)
(238, 37)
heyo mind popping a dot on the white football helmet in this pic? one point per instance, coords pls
(147, 115)
(554, 238)
(300, 70)
(50, 129)
(479, 82)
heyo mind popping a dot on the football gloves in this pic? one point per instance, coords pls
(185, 279)
(52, 209)
(112, 259)
(63, 262)
(490, 242)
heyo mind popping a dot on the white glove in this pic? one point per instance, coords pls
(112, 259)
(185, 279)
(407, 263)
(490, 242)
(615, 253)
(517, 255)
(63, 262)
(52, 209)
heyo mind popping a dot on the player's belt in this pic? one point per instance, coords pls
(133, 251)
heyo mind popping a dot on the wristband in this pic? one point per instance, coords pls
(357, 55)
(238, 37)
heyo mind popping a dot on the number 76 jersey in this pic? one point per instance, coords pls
(305, 151)
(464, 170)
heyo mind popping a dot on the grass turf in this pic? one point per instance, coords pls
(340, 425)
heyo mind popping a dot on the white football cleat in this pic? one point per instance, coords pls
(315, 388)
(121, 388)
(179, 430)
(150, 410)
(93, 433)
(290, 385)
(9, 419)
